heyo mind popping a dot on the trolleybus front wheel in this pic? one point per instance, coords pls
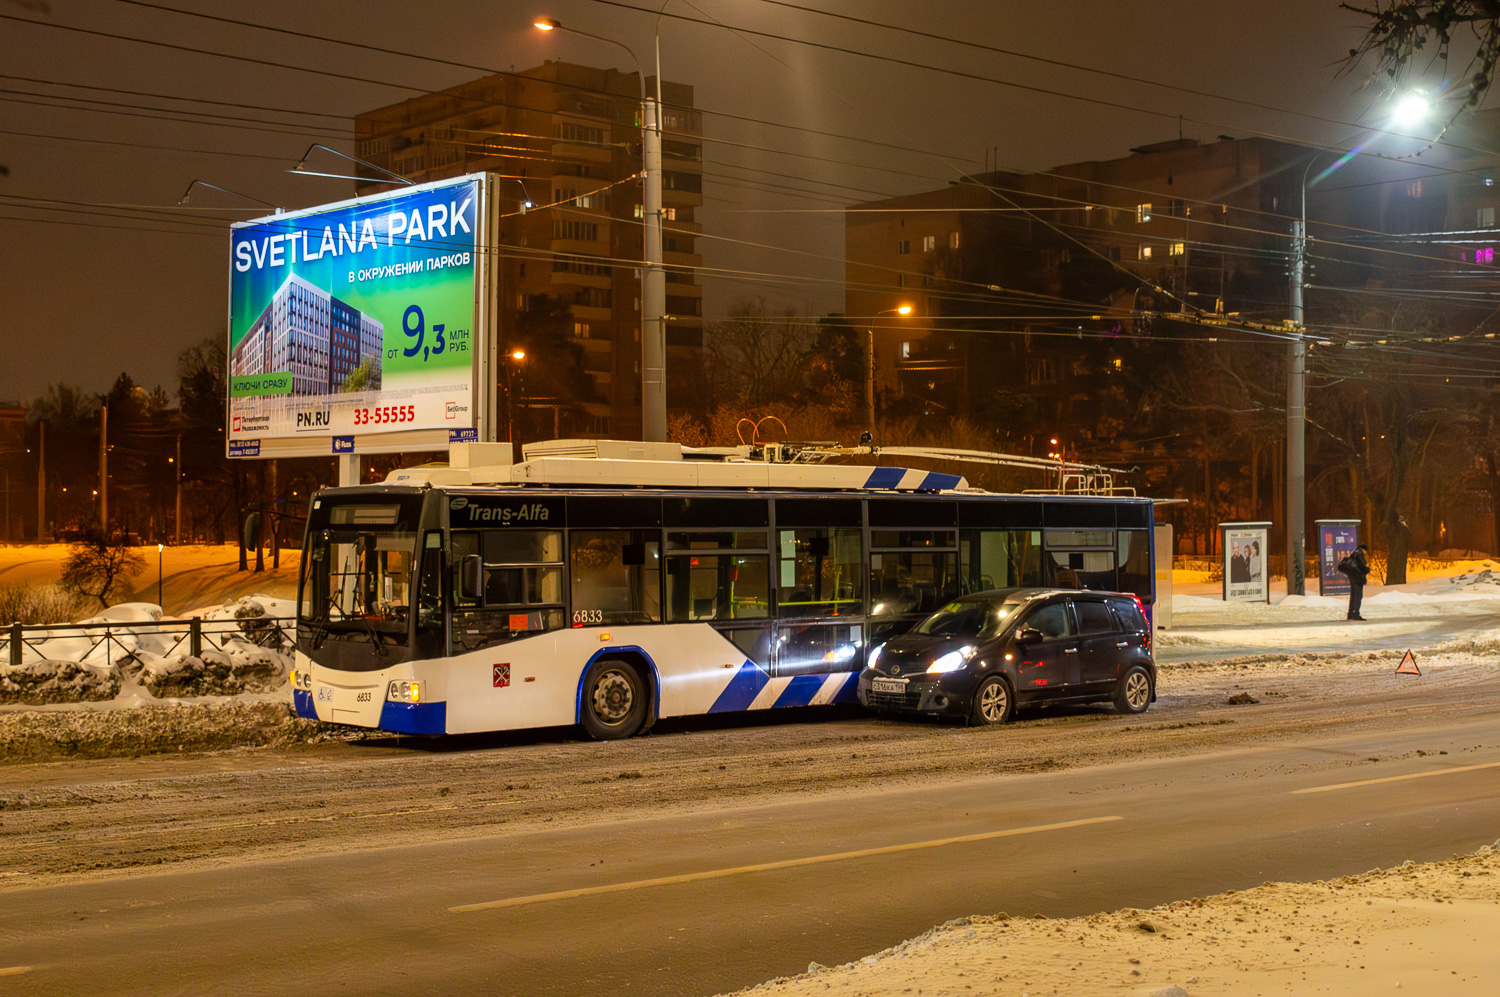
(614, 700)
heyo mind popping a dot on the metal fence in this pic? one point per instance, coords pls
(275, 632)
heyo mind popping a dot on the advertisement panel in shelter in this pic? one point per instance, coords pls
(356, 318)
(1245, 565)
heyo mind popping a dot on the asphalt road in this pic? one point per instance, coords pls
(698, 904)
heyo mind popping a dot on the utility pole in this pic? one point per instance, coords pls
(870, 379)
(104, 469)
(1296, 418)
(41, 479)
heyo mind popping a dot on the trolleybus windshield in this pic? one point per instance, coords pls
(357, 577)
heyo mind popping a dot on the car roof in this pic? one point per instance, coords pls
(1023, 595)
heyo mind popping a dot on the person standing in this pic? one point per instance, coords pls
(1357, 567)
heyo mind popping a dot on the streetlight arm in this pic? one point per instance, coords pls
(552, 24)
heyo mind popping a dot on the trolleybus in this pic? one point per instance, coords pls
(609, 584)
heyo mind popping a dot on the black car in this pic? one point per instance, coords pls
(983, 654)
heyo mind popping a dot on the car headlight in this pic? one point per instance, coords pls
(874, 656)
(404, 692)
(952, 661)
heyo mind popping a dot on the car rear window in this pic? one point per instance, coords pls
(1093, 617)
(1129, 614)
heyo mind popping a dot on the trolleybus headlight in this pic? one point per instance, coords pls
(404, 692)
(952, 661)
(301, 679)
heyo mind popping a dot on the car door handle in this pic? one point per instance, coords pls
(1123, 643)
(1070, 650)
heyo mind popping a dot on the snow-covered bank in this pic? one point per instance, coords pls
(122, 658)
(1425, 929)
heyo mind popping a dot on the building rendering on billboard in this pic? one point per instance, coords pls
(358, 320)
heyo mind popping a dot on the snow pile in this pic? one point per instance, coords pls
(121, 653)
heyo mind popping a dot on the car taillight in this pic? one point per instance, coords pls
(1142, 607)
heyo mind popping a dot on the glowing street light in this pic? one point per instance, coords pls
(1411, 109)
(870, 363)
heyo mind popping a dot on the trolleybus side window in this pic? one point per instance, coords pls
(997, 559)
(616, 576)
(522, 585)
(1135, 563)
(718, 575)
(1081, 559)
(912, 571)
(821, 572)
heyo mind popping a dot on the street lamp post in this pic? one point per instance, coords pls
(870, 363)
(653, 277)
(159, 549)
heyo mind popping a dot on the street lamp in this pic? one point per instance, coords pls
(1409, 111)
(511, 359)
(653, 277)
(870, 363)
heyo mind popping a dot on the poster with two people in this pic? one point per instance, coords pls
(1246, 553)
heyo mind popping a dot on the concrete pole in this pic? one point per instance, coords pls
(653, 289)
(1296, 420)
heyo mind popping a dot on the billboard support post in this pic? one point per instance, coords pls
(349, 469)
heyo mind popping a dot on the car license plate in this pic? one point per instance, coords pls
(897, 686)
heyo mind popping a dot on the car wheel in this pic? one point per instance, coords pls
(1133, 694)
(614, 700)
(992, 702)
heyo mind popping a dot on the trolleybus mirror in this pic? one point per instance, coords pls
(471, 577)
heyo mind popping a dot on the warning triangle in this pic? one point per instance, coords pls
(1408, 665)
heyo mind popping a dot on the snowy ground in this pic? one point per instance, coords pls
(1231, 674)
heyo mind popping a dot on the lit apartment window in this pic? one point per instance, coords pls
(952, 240)
(1177, 249)
(1485, 218)
(929, 243)
(669, 214)
(640, 212)
(906, 351)
(580, 330)
(903, 247)
(1414, 189)
(1143, 212)
(1143, 252)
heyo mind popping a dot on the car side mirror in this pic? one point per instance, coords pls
(471, 577)
(1029, 635)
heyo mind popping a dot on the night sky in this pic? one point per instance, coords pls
(84, 296)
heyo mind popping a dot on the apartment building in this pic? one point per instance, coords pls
(567, 140)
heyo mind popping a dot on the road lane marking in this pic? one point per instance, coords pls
(15, 970)
(693, 877)
(1396, 778)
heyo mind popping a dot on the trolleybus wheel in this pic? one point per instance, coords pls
(614, 700)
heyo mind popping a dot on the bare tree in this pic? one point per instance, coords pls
(759, 355)
(97, 562)
(1403, 30)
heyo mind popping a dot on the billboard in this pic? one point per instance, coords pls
(357, 319)
(1337, 539)
(1245, 554)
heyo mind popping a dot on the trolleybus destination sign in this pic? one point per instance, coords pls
(357, 318)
